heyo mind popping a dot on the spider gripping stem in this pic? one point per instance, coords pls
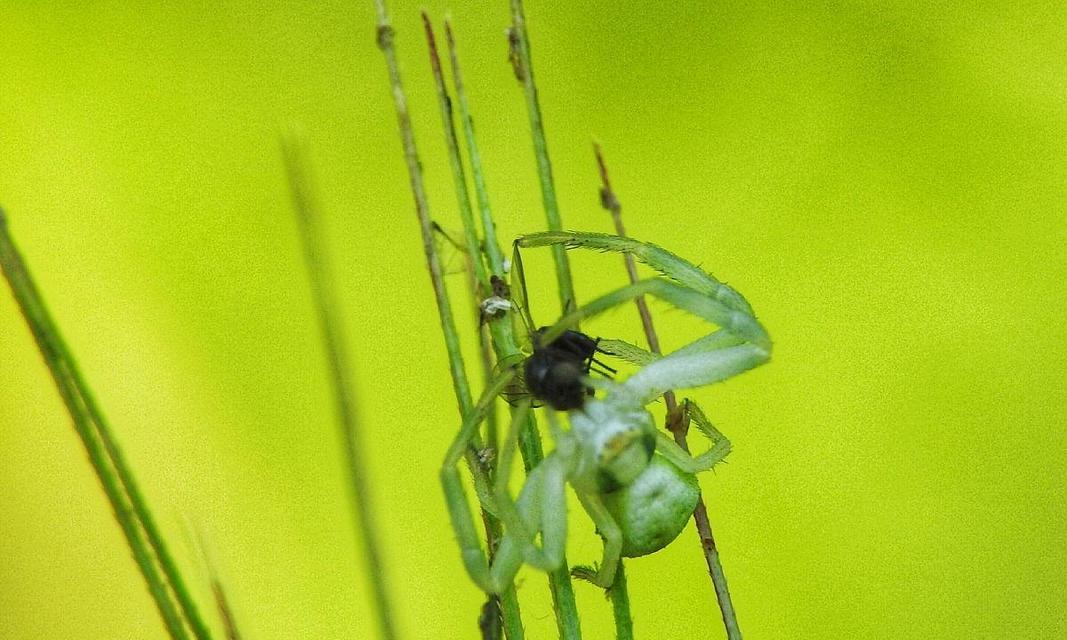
(541, 506)
(741, 342)
(679, 457)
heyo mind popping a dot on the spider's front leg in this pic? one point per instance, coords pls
(720, 445)
(474, 558)
(609, 529)
(741, 342)
(540, 507)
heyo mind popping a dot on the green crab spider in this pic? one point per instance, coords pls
(636, 484)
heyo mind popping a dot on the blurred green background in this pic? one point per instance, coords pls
(885, 181)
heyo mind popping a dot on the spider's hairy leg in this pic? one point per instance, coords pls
(474, 558)
(740, 344)
(689, 288)
(673, 266)
(740, 324)
(687, 371)
(522, 519)
(543, 491)
(612, 534)
(720, 445)
(542, 502)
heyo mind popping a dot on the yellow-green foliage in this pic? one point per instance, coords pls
(885, 183)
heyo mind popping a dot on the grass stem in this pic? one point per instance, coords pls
(491, 245)
(83, 413)
(562, 590)
(321, 279)
(620, 605)
(500, 328)
(520, 48)
(144, 516)
(678, 428)
(385, 37)
(620, 596)
(459, 176)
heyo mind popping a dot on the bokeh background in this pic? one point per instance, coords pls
(885, 181)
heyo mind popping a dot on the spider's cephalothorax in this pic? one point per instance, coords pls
(617, 441)
(555, 372)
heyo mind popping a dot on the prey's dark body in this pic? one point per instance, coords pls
(555, 372)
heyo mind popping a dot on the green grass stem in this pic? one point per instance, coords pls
(75, 395)
(678, 428)
(500, 328)
(144, 516)
(316, 258)
(461, 386)
(620, 605)
(563, 593)
(459, 176)
(520, 44)
(491, 245)
(385, 36)
(620, 596)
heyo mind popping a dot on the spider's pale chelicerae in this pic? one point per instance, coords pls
(636, 484)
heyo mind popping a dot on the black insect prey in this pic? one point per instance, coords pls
(554, 373)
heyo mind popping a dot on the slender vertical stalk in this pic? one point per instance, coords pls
(620, 605)
(144, 516)
(222, 603)
(562, 593)
(493, 254)
(321, 279)
(459, 176)
(500, 328)
(620, 597)
(74, 392)
(707, 543)
(678, 428)
(218, 591)
(385, 35)
(520, 44)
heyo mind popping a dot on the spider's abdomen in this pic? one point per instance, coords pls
(555, 377)
(654, 508)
